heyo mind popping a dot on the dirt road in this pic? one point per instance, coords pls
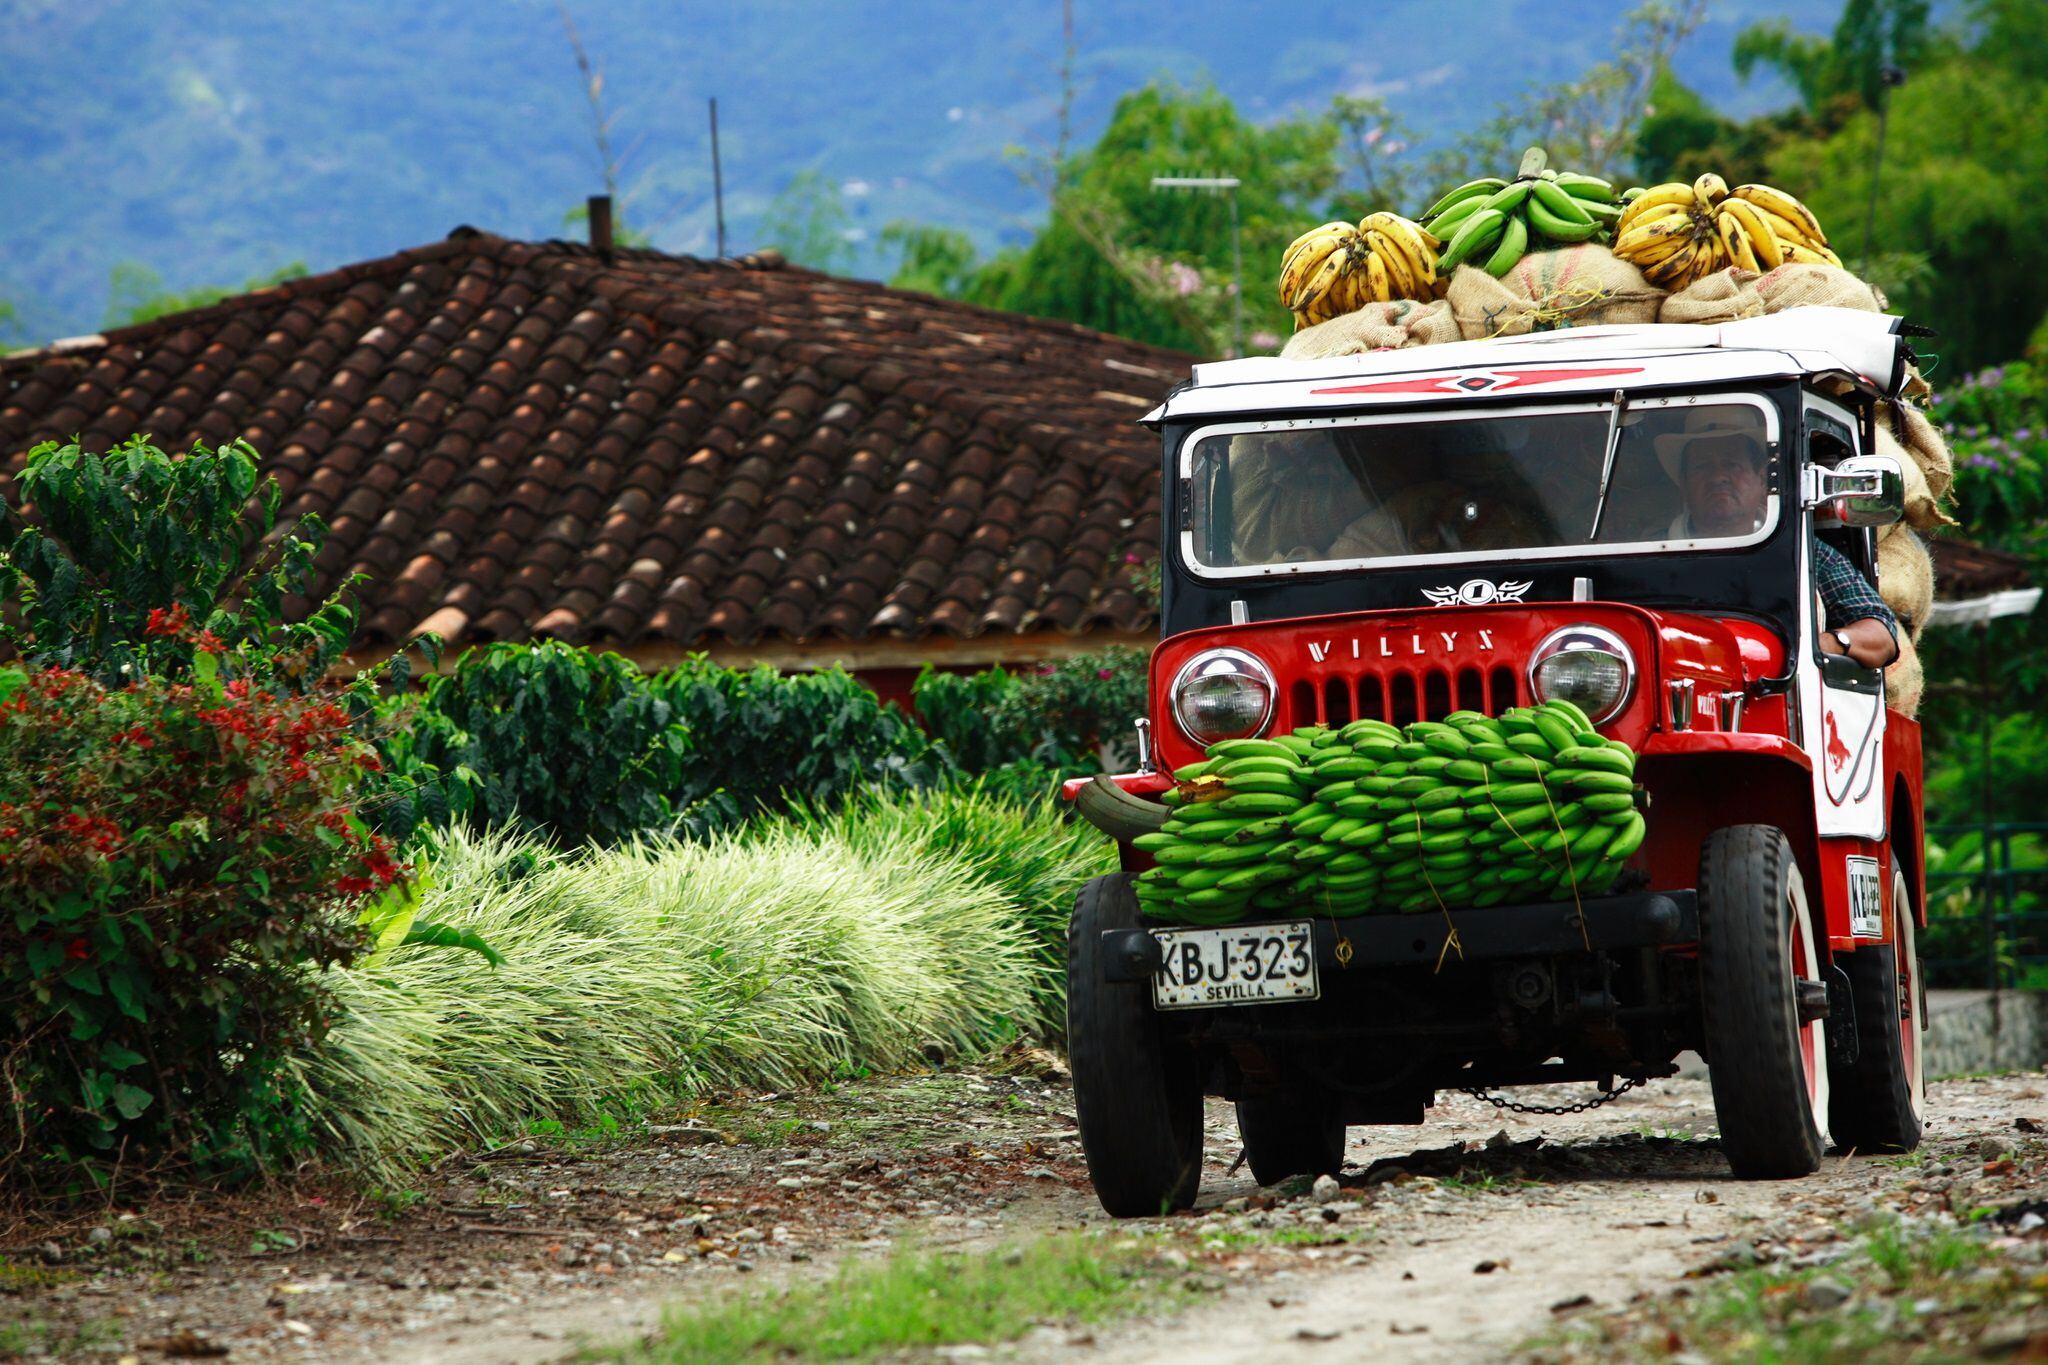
(1461, 1240)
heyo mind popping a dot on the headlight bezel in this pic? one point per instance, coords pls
(1586, 637)
(1222, 662)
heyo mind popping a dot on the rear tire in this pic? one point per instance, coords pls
(1139, 1104)
(1769, 1071)
(1290, 1135)
(1879, 1103)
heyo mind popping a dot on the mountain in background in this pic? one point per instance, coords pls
(215, 143)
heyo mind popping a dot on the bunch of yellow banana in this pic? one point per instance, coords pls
(1678, 233)
(1341, 267)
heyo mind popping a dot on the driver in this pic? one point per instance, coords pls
(1719, 464)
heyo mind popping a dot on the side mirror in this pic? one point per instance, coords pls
(1863, 490)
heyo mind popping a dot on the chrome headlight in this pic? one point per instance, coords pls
(1587, 666)
(1223, 694)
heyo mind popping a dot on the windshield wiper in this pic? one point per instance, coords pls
(1607, 465)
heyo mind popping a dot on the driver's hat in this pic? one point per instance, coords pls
(1671, 447)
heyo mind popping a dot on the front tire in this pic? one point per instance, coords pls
(1290, 1135)
(1139, 1104)
(1769, 1071)
(1881, 1101)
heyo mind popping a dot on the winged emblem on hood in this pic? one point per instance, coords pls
(1477, 592)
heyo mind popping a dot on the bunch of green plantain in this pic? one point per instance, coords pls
(1493, 223)
(1470, 811)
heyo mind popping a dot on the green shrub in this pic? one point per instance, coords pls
(1071, 717)
(136, 568)
(959, 711)
(569, 743)
(764, 738)
(648, 974)
(174, 860)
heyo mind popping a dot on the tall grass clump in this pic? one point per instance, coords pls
(1033, 853)
(649, 974)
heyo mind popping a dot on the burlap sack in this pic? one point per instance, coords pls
(1905, 578)
(1288, 504)
(1923, 510)
(1724, 296)
(1930, 451)
(1375, 327)
(1579, 286)
(1904, 681)
(1816, 286)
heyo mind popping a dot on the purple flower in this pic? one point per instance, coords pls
(1185, 279)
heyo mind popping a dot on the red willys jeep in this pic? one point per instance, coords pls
(1483, 525)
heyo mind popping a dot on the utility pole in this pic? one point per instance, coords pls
(1889, 77)
(1225, 185)
(717, 179)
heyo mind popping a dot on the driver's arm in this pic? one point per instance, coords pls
(1852, 606)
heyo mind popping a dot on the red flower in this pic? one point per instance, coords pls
(162, 622)
(353, 886)
(209, 643)
(1105, 674)
(79, 950)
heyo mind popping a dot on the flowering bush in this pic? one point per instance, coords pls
(1997, 423)
(170, 858)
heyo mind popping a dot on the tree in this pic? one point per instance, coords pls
(136, 293)
(808, 223)
(1870, 35)
(1589, 124)
(931, 260)
(1118, 256)
(1968, 155)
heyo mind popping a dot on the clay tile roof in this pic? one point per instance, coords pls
(518, 439)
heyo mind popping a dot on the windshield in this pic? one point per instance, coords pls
(1304, 495)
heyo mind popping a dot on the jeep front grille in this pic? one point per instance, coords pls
(1402, 695)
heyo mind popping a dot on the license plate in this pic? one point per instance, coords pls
(1866, 908)
(1246, 965)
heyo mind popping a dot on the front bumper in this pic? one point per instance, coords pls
(1646, 919)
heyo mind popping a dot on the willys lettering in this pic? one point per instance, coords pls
(1399, 645)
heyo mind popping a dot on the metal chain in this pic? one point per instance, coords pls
(1581, 1107)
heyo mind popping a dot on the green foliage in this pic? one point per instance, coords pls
(1953, 237)
(1124, 258)
(579, 747)
(1870, 35)
(136, 293)
(808, 223)
(1997, 424)
(173, 861)
(932, 260)
(135, 566)
(1588, 123)
(573, 744)
(1067, 717)
(760, 739)
(650, 974)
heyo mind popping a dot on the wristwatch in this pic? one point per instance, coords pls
(1841, 638)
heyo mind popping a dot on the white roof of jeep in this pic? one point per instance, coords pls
(1799, 341)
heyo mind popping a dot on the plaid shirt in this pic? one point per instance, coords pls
(1845, 593)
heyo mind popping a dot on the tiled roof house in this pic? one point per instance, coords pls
(657, 454)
